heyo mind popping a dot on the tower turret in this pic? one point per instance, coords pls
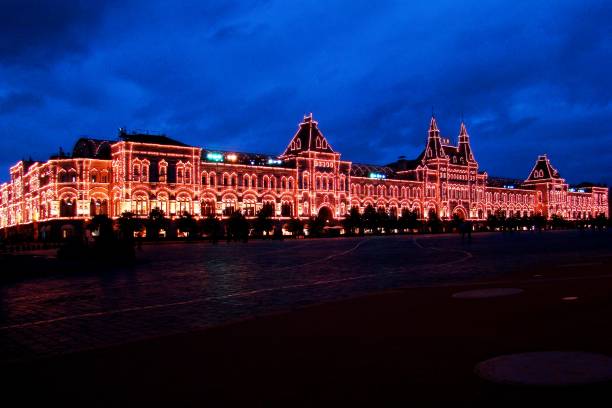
(433, 148)
(464, 147)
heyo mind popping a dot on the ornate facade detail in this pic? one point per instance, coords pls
(140, 172)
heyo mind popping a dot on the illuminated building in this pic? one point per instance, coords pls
(140, 172)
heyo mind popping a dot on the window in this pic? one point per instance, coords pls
(249, 207)
(136, 172)
(162, 169)
(229, 206)
(286, 209)
(183, 204)
(208, 207)
(140, 204)
(68, 207)
(144, 175)
(162, 203)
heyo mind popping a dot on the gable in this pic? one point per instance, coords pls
(308, 138)
(543, 170)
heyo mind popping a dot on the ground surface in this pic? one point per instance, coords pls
(145, 332)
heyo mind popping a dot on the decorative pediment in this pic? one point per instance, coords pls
(308, 138)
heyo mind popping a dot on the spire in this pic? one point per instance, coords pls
(433, 125)
(433, 148)
(463, 134)
(464, 143)
(463, 131)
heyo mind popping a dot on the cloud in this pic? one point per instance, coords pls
(41, 32)
(526, 77)
(16, 101)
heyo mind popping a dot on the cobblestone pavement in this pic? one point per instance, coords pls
(180, 287)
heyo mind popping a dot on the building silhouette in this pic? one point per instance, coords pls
(140, 172)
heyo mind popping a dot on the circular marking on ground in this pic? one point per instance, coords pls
(549, 368)
(487, 293)
(569, 298)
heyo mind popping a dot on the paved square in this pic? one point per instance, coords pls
(179, 287)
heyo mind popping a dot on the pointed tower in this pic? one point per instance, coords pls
(433, 148)
(464, 147)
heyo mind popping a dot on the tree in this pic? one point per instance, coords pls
(538, 221)
(557, 221)
(382, 220)
(185, 223)
(456, 222)
(296, 227)
(433, 222)
(263, 222)
(155, 222)
(352, 221)
(315, 226)
(600, 221)
(102, 226)
(370, 218)
(128, 225)
(211, 226)
(491, 222)
(409, 220)
(525, 222)
(237, 227)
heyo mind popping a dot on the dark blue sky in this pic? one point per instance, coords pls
(528, 78)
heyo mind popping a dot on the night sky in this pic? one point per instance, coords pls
(527, 78)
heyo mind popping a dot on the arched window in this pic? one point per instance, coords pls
(187, 179)
(305, 181)
(140, 204)
(162, 169)
(286, 209)
(249, 206)
(144, 176)
(183, 204)
(68, 207)
(162, 202)
(208, 207)
(229, 205)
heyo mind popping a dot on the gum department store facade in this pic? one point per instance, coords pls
(140, 172)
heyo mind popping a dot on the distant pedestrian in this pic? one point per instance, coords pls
(466, 228)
